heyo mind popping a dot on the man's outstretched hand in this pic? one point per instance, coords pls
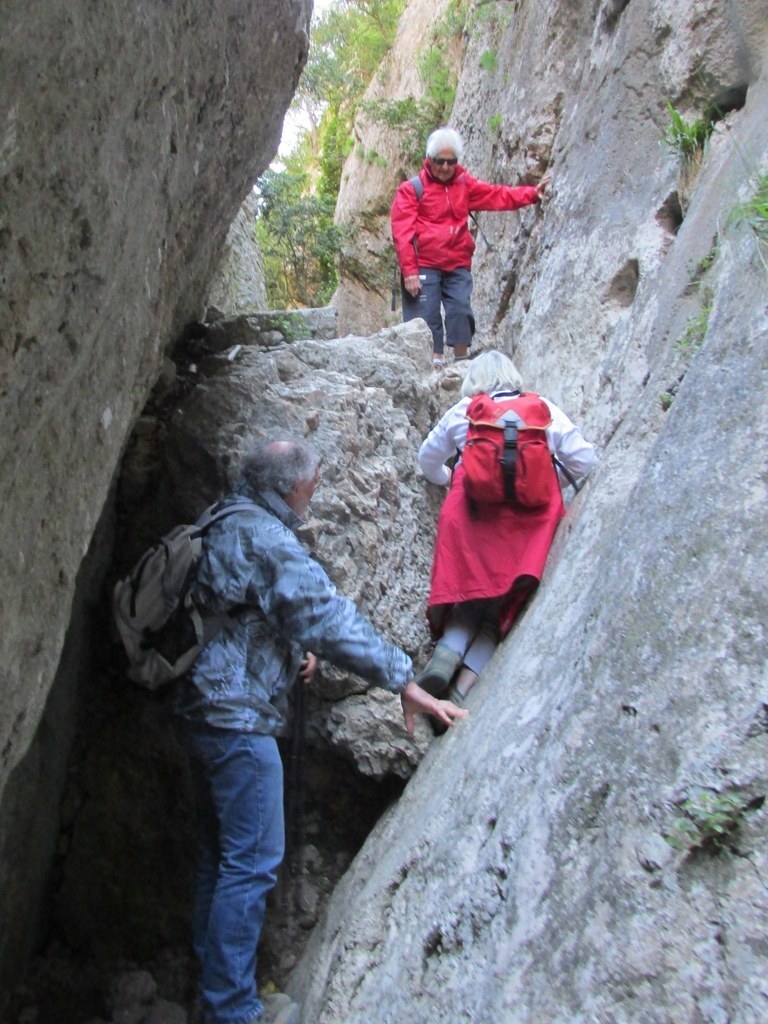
(416, 701)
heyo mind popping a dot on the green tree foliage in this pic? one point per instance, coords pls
(298, 240)
(295, 229)
(349, 42)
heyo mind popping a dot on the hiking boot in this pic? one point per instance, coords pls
(439, 671)
(279, 1009)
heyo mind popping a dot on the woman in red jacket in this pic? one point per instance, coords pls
(433, 243)
(488, 559)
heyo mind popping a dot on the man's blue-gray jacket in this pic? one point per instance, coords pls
(285, 605)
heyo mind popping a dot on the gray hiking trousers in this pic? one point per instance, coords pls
(448, 290)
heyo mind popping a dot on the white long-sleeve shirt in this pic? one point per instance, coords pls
(449, 435)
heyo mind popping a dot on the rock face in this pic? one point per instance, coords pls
(271, 329)
(130, 136)
(524, 875)
(238, 284)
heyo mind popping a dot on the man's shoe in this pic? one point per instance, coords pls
(439, 670)
(279, 1009)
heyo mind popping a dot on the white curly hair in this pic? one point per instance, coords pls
(445, 138)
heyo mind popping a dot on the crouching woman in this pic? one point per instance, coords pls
(489, 557)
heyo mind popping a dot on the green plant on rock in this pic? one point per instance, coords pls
(454, 19)
(406, 119)
(700, 267)
(754, 211)
(491, 13)
(438, 78)
(694, 333)
(396, 114)
(494, 124)
(687, 138)
(489, 61)
(371, 156)
(708, 822)
(292, 327)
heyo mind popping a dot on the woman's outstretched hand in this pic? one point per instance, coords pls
(544, 184)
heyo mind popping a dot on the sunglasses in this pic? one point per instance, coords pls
(442, 160)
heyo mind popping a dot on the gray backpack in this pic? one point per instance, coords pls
(161, 628)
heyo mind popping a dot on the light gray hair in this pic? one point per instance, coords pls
(278, 463)
(445, 138)
(489, 372)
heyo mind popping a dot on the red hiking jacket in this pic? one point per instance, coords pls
(435, 226)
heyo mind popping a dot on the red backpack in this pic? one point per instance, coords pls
(506, 457)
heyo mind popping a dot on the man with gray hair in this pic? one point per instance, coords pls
(433, 243)
(232, 704)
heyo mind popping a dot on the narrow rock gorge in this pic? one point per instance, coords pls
(130, 137)
(518, 868)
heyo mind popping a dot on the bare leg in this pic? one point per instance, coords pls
(465, 680)
(460, 351)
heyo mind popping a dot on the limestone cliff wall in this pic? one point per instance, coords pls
(238, 284)
(129, 136)
(524, 876)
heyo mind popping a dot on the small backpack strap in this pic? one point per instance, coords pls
(509, 455)
(220, 511)
(567, 474)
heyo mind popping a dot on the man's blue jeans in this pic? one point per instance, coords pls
(238, 779)
(443, 289)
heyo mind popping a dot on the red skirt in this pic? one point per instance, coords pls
(491, 551)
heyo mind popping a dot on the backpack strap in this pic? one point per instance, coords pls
(509, 455)
(418, 186)
(219, 511)
(209, 623)
(501, 422)
(567, 474)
